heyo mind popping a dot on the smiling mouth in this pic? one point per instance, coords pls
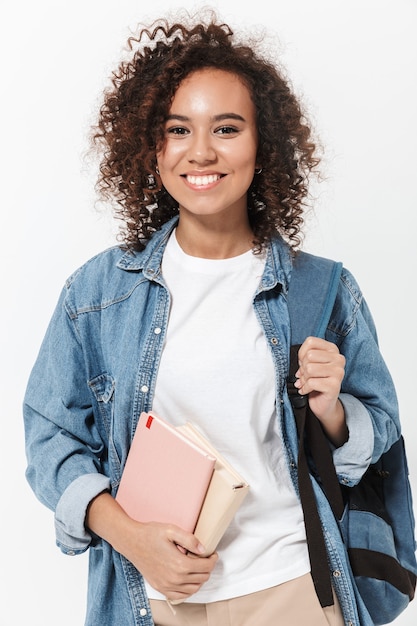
(201, 181)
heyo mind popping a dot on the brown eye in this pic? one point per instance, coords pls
(177, 130)
(227, 130)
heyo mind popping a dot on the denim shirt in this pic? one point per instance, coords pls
(96, 371)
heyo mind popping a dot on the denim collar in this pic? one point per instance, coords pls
(277, 267)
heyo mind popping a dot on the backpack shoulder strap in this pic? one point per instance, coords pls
(311, 294)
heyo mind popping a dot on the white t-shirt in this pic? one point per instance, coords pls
(217, 371)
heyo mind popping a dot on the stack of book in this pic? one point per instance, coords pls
(174, 475)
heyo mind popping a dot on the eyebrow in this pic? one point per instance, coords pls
(215, 118)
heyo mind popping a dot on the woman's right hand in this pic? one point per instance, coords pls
(167, 557)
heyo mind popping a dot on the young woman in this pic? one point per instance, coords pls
(207, 153)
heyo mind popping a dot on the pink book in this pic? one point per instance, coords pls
(166, 475)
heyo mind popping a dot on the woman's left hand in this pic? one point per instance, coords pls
(320, 374)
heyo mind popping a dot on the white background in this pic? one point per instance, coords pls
(354, 65)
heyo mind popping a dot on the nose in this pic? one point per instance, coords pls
(201, 149)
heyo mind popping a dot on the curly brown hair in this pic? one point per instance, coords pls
(130, 130)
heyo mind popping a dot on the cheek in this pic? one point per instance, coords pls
(170, 154)
(247, 165)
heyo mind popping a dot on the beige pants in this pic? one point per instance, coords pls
(291, 604)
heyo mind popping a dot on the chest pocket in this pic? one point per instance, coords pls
(103, 389)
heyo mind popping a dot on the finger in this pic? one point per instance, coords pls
(334, 369)
(206, 563)
(322, 366)
(185, 585)
(186, 542)
(177, 595)
(320, 356)
(326, 387)
(316, 343)
(180, 579)
(322, 382)
(195, 568)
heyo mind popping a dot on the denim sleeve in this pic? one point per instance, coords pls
(353, 458)
(64, 446)
(71, 535)
(367, 378)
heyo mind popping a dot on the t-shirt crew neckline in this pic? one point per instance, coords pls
(208, 266)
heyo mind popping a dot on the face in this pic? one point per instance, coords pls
(208, 159)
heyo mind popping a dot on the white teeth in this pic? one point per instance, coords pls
(203, 180)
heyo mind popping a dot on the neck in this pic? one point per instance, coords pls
(210, 240)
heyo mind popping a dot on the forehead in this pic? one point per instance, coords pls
(212, 88)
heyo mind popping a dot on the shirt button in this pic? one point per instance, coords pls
(143, 612)
(157, 331)
(71, 553)
(144, 388)
(274, 341)
(336, 573)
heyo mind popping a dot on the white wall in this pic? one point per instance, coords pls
(353, 61)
